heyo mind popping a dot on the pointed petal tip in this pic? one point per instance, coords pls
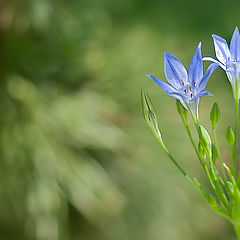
(214, 36)
(236, 33)
(168, 54)
(165, 54)
(209, 94)
(148, 74)
(236, 30)
(199, 44)
(217, 37)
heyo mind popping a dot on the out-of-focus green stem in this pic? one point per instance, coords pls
(237, 230)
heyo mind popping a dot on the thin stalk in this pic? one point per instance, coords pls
(216, 189)
(235, 133)
(236, 98)
(219, 157)
(221, 196)
(194, 145)
(174, 161)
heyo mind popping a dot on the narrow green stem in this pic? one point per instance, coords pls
(203, 163)
(216, 187)
(209, 177)
(236, 98)
(194, 145)
(219, 157)
(235, 133)
(174, 161)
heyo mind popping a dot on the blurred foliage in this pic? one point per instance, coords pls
(77, 161)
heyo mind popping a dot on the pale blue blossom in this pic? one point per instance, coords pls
(187, 86)
(228, 58)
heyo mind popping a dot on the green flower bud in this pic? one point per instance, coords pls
(211, 200)
(150, 117)
(230, 136)
(214, 115)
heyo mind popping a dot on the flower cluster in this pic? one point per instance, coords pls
(187, 86)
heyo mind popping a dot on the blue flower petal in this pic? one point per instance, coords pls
(235, 45)
(230, 71)
(179, 95)
(174, 70)
(184, 103)
(233, 71)
(195, 70)
(214, 61)
(202, 83)
(201, 94)
(166, 87)
(221, 49)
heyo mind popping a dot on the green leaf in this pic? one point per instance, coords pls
(230, 136)
(182, 111)
(214, 115)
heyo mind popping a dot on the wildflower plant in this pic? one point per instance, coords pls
(187, 87)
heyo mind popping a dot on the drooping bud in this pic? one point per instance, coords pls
(214, 115)
(150, 117)
(230, 136)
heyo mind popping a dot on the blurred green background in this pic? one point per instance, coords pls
(77, 162)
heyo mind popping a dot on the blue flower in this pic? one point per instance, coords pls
(186, 86)
(228, 58)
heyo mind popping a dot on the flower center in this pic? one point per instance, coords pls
(187, 89)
